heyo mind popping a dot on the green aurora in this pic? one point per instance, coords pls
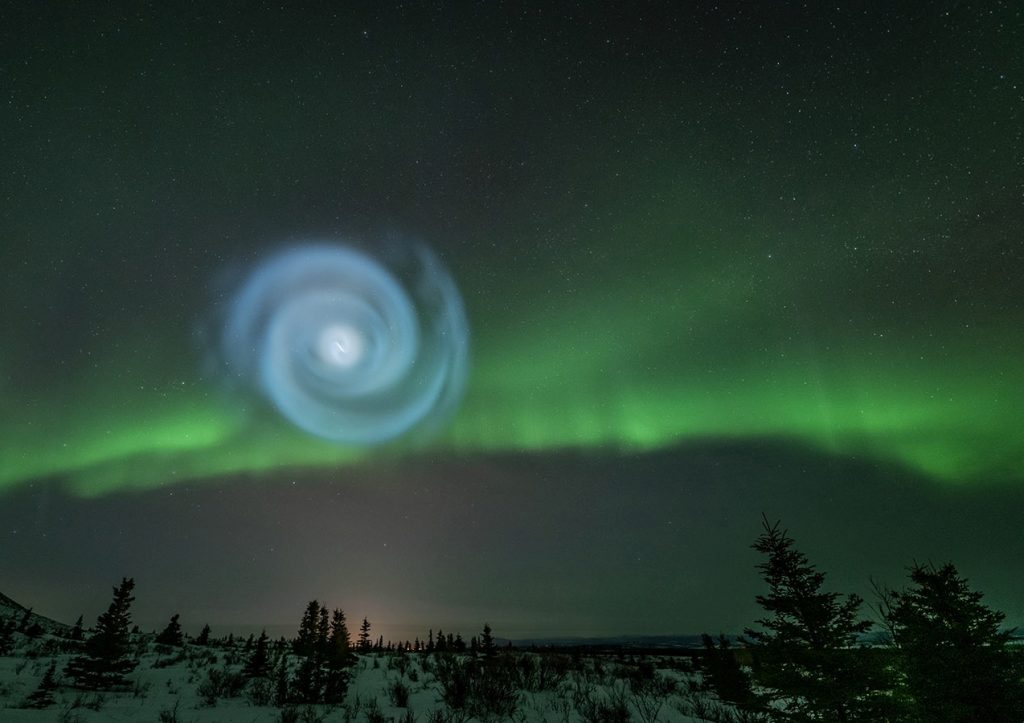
(648, 362)
(746, 251)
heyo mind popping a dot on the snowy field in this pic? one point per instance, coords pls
(203, 684)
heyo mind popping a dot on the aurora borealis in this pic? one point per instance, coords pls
(706, 254)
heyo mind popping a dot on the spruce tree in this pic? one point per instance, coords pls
(172, 634)
(364, 636)
(204, 636)
(106, 660)
(956, 661)
(339, 660)
(340, 643)
(42, 697)
(77, 632)
(315, 676)
(258, 663)
(724, 674)
(305, 643)
(281, 693)
(487, 646)
(805, 661)
(323, 632)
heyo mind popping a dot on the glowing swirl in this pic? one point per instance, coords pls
(346, 348)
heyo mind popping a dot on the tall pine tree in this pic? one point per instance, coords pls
(107, 660)
(258, 664)
(487, 646)
(339, 659)
(954, 655)
(364, 636)
(805, 658)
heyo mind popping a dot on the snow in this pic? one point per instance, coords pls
(166, 687)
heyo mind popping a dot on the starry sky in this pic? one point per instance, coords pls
(716, 259)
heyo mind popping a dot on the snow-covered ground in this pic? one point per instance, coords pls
(169, 686)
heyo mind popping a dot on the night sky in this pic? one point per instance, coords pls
(716, 260)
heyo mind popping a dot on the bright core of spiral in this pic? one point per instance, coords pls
(348, 347)
(341, 345)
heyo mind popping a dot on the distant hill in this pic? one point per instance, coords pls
(9, 609)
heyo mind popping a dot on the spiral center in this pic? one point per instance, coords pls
(341, 346)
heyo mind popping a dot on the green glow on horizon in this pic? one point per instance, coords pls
(585, 376)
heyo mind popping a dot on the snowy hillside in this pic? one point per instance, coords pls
(11, 610)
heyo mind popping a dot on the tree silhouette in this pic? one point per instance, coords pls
(338, 660)
(106, 660)
(364, 636)
(258, 664)
(323, 644)
(487, 646)
(204, 636)
(955, 658)
(42, 696)
(723, 673)
(805, 660)
(77, 632)
(171, 635)
(305, 643)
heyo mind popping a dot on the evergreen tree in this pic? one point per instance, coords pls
(204, 636)
(172, 634)
(487, 646)
(339, 659)
(305, 643)
(77, 632)
(364, 636)
(106, 660)
(42, 697)
(340, 644)
(308, 684)
(323, 632)
(26, 619)
(324, 647)
(281, 685)
(805, 660)
(723, 673)
(258, 664)
(955, 658)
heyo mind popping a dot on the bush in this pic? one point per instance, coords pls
(260, 691)
(220, 683)
(481, 690)
(398, 692)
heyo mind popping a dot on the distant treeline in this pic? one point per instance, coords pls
(937, 654)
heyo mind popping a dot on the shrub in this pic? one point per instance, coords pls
(398, 692)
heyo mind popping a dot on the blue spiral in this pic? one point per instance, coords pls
(346, 347)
